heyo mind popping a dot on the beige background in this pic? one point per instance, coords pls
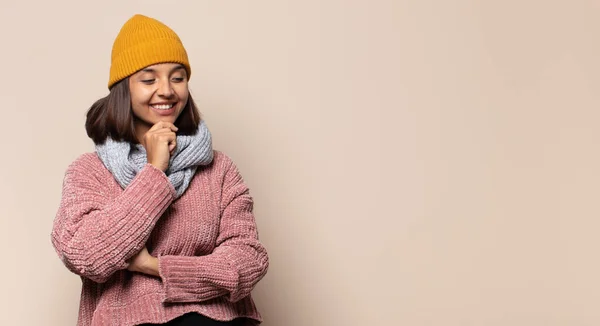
(413, 162)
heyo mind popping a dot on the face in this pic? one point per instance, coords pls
(158, 93)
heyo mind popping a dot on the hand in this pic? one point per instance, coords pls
(143, 262)
(160, 142)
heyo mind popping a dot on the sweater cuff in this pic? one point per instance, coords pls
(151, 188)
(193, 279)
(151, 174)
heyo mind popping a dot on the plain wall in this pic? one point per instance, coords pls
(412, 162)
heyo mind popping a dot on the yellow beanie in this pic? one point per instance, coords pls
(141, 42)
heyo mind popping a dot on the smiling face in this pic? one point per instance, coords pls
(158, 93)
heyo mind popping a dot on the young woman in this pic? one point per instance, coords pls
(159, 226)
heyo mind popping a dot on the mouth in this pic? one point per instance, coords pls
(164, 108)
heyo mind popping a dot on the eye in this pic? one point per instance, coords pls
(148, 81)
(178, 79)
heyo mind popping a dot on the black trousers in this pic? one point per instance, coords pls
(195, 319)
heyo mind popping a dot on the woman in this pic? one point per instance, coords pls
(158, 225)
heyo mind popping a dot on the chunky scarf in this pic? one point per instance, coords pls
(124, 160)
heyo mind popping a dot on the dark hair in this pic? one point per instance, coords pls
(111, 116)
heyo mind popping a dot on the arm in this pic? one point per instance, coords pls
(235, 266)
(94, 235)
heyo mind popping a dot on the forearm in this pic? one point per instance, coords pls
(232, 272)
(94, 239)
(237, 263)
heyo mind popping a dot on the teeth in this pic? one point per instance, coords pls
(163, 106)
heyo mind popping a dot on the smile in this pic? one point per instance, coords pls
(162, 106)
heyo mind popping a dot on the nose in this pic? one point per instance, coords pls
(165, 89)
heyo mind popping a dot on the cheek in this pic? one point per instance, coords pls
(137, 109)
(184, 100)
(139, 103)
(141, 96)
(183, 95)
(139, 92)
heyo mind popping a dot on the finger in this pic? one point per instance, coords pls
(163, 135)
(168, 125)
(171, 126)
(166, 136)
(157, 126)
(163, 131)
(163, 125)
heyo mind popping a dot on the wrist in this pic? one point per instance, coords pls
(158, 166)
(151, 266)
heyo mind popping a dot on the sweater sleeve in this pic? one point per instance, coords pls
(236, 264)
(95, 234)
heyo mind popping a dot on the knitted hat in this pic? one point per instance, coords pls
(141, 42)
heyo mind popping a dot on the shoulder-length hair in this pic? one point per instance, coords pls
(112, 116)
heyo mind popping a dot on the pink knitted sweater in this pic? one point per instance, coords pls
(206, 241)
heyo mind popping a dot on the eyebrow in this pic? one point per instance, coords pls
(178, 67)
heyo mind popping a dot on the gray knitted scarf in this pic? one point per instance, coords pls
(124, 160)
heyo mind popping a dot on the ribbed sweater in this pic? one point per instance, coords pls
(206, 241)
